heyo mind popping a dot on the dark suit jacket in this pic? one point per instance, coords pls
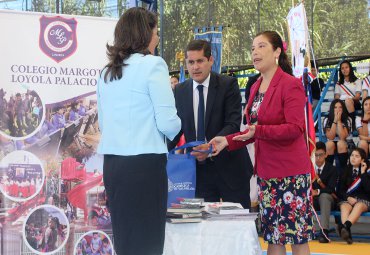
(345, 181)
(329, 177)
(223, 117)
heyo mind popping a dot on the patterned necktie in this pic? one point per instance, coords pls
(355, 173)
(319, 171)
(200, 129)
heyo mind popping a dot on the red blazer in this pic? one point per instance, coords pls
(280, 147)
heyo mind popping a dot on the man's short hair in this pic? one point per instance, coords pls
(320, 146)
(314, 64)
(197, 45)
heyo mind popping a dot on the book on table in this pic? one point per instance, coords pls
(184, 220)
(228, 217)
(183, 215)
(232, 209)
(185, 208)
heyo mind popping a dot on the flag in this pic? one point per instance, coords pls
(310, 127)
(215, 38)
(182, 73)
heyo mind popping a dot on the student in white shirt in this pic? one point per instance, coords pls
(365, 86)
(348, 89)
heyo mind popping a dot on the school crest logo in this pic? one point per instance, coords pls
(58, 38)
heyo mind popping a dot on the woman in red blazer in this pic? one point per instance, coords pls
(276, 124)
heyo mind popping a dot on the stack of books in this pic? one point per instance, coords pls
(227, 211)
(186, 211)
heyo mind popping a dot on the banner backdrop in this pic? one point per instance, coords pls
(298, 38)
(52, 192)
(215, 37)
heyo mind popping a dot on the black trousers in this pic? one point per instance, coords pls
(136, 189)
(212, 187)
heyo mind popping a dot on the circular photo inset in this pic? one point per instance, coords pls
(22, 112)
(21, 176)
(46, 229)
(94, 243)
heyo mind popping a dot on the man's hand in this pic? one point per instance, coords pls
(201, 156)
(315, 192)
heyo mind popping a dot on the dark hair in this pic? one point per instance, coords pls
(344, 117)
(74, 106)
(320, 146)
(133, 34)
(314, 64)
(176, 77)
(196, 45)
(363, 103)
(276, 41)
(347, 173)
(361, 152)
(105, 240)
(352, 76)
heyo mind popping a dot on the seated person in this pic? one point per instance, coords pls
(323, 188)
(348, 89)
(363, 126)
(365, 87)
(73, 113)
(337, 128)
(316, 85)
(58, 121)
(81, 108)
(174, 81)
(354, 192)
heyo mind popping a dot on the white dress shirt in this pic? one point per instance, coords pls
(321, 167)
(196, 99)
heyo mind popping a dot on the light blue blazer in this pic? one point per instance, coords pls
(138, 111)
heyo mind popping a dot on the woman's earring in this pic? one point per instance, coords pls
(277, 61)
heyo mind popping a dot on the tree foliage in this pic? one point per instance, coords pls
(340, 27)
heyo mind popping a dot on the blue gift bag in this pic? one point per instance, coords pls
(181, 172)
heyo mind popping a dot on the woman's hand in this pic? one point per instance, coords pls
(338, 116)
(248, 135)
(352, 201)
(363, 167)
(218, 143)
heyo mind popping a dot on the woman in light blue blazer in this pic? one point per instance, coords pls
(137, 113)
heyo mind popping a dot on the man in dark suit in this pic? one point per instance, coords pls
(323, 189)
(209, 105)
(316, 84)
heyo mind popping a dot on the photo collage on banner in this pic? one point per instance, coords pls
(52, 196)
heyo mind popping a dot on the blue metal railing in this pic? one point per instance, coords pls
(333, 78)
(331, 82)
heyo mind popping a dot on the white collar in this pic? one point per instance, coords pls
(205, 82)
(321, 167)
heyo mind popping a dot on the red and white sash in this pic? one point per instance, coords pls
(346, 90)
(355, 184)
(367, 82)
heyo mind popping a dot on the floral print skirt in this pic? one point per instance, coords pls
(285, 209)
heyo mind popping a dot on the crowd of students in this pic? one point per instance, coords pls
(20, 187)
(21, 114)
(45, 237)
(345, 187)
(94, 245)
